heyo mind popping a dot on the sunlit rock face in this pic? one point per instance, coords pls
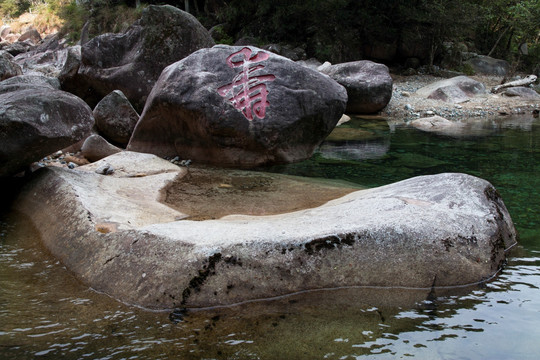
(428, 231)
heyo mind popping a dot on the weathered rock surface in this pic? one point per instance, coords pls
(96, 148)
(488, 66)
(31, 35)
(429, 231)
(8, 68)
(116, 118)
(25, 80)
(50, 62)
(455, 90)
(132, 61)
(368, 84)
(36, 121)
(238, 106)
(522, 92)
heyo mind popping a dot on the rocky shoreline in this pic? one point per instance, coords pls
(405, 105)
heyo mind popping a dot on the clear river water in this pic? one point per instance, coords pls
(47, 314)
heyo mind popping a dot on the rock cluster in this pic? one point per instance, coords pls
(133, 61)
(237, 107)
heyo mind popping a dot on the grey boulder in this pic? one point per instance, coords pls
(368, 84)
(8, 68)
(116, 118)
(425, 232)
(25, 80)
(238, 107)
(36, 121)
(488, 66)
(132, 61)
(95, 148)
(522, 92)
(455, 90)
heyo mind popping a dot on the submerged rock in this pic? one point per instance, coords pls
(425, 232)
(238, 107)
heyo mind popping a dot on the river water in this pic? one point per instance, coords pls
(47, 314)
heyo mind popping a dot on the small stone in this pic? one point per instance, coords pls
(57, 154)
(459, 107)
(429, 112)
(405, 94)
(408, 107)
(72, 165)
(105, 169)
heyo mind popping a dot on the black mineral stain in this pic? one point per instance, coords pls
(233, 260)
(329, 242)
(196, 282)
(503, 235)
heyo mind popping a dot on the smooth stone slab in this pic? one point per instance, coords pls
(429, 231)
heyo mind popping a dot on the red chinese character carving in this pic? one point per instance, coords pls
(247, 92)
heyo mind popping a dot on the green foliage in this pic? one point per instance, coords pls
(74, 18)
(334, 30)
(13, 8)
(467, 69)
(221, 36)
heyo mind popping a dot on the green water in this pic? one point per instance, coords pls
(46, 314)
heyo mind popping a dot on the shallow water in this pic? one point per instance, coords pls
(46, 313)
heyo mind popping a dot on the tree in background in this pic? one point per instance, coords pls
(334, 30)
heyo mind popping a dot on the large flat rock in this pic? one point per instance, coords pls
(119, 238)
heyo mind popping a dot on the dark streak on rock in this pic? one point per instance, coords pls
(111, 259)
(329, 242)
(498, 240)
(233, 260)
(197, 281)
(447, 244)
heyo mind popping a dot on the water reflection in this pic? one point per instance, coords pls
(46, 313)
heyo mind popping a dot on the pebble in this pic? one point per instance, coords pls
(105, 169)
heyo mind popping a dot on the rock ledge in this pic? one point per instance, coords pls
(440, 230)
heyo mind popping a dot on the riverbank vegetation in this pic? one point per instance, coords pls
(335, 30)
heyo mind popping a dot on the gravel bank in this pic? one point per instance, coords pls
(405, 105)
